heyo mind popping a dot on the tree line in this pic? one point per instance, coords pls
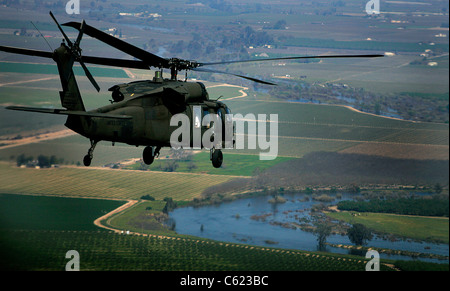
(42, 161)
(437, 206)
(358, 234)
(407, 105)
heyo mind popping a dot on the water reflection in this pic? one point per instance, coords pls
(256, 221)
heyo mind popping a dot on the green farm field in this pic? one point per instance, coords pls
(141, 218)
(420, 228)
(234, 165)
(305, 128)
(106, 251)
(40, 213)
(104, 183)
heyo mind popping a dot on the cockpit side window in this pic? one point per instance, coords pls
(205, 95)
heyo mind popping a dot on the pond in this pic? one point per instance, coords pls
(235, 222)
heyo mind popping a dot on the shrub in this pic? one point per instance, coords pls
(148, 197)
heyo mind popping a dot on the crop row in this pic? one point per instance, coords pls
(364, 133)
(45, 250)
(80, 182)
(401, 151)
(332, 122)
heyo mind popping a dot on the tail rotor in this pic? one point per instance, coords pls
(75, 50)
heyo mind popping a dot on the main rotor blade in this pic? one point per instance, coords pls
(80, 35)
(292, 58)
(148, 58)
(28, 52)
(89, 76)
(132, 64)
(240, 76)
(60, 29)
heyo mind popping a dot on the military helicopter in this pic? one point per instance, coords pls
(140, 112)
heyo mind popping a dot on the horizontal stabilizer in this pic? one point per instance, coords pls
(68, 112)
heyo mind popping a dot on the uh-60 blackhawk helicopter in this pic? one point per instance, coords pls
(140, 112)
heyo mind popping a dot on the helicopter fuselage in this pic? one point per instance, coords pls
(151, 104)
(141, 113)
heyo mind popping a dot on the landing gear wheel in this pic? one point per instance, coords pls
(87, 160)
(217, 159)
(149, 154)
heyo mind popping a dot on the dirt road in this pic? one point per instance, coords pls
(97, 222)
(9, 143)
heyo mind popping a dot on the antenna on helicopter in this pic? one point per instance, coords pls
(51, 49)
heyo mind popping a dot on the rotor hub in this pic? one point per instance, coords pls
(181, 65)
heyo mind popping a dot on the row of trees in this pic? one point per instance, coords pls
(232, 43)
(170, 204)
(358, 234)
(437, 206)
(410, 106)
(41, 161)
(168, 166)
